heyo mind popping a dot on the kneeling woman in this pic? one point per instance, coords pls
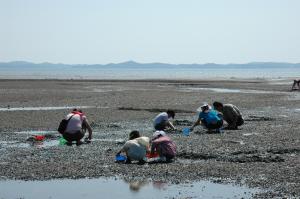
(164, 146)
(209, 118)
(136, 147)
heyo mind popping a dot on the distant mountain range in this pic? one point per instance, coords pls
(24, 64)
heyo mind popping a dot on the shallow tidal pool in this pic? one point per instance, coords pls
(118, 188)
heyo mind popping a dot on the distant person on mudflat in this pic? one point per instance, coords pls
(209, 119)
(162, 120)
(231, 114)
(76, 127)
(296, 82)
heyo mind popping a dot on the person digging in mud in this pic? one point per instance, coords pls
(76, 128)
(296, 82)
(163, 146)
(231, 114)
(162, 120)
(209, 119)
(135, 148)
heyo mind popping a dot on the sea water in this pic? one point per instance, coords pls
(144, 72)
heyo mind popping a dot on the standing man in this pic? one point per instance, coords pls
(162, 120)
(231, 115)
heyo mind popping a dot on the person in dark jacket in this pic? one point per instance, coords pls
(231, 114)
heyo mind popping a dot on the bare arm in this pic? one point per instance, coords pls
(171, 125)
(89, 128)
(196, 124)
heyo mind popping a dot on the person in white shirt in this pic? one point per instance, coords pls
(76, 127)
(162, 120)
(136, 147)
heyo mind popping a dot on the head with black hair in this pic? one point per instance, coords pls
(218, 106)
(134, 134)
(77, 110)
(171, 113)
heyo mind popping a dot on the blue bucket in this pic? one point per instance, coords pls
(186, 131)
(120, 158)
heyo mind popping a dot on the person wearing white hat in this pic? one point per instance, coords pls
(209, 118)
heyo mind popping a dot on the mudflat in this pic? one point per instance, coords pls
(264, 153)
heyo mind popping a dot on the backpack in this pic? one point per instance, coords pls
(63, 125)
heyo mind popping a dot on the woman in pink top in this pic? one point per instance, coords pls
(76, 126)
(164, 146)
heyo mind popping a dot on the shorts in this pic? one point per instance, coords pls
(136, 152)
(77, 136)
(240, 121)
(161, 126)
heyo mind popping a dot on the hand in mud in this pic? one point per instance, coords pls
(87, 140)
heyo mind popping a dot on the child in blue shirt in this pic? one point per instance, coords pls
(209, 118)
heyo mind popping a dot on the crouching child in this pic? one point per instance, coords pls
(135, 148)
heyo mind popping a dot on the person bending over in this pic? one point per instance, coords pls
(164, 146)
(231, 114)
(208, 118)
(135, 148)
(296, 82)
(162, 120)
(76, 127)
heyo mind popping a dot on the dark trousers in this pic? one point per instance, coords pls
(73, 136)
(161, 126)
(240, 121)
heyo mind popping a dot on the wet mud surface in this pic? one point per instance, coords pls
(264, 153)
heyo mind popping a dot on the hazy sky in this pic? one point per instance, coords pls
(172, 31)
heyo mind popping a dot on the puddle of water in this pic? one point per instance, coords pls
(226, 90)
(116, 188)
(37, 132)
(38, 144)
(249, 134)
(46, 108)
(13, 144)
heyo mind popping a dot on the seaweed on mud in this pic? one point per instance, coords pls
(252, 158)
(183, 123)
(284, 151)
(238, 157)
(259, 118)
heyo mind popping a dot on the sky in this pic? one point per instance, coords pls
(168, 31)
